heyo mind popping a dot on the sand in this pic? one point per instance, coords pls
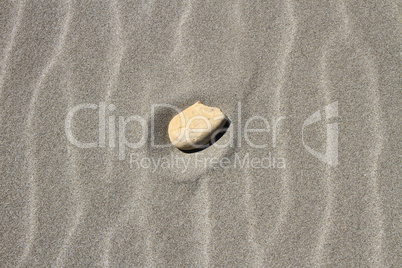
(88, 186)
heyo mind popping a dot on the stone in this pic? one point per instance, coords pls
(196, 126)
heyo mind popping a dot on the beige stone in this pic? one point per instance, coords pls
(195, 126)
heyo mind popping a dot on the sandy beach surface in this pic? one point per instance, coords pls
(308, 173)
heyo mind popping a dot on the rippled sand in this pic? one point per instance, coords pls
(283, 60)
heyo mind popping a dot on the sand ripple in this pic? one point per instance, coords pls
(275, 58)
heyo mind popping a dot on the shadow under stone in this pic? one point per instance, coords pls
(215, 137)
